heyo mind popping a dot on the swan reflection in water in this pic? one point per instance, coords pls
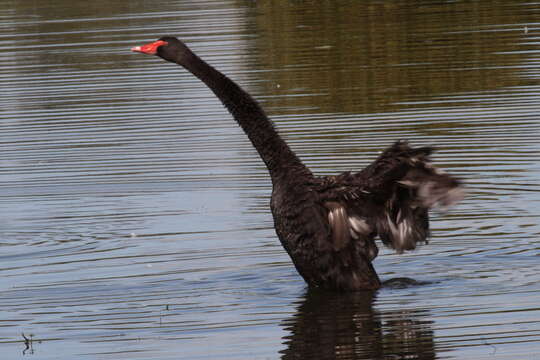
(331, 325)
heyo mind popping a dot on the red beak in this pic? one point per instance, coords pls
(150, 49)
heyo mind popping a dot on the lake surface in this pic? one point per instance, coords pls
(134, 212)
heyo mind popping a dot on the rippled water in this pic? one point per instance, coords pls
(135, 220)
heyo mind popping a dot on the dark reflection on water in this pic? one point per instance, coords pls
(345, 326)
(134, 213)
(369, 56)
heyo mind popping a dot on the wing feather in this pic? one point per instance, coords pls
(339, 223)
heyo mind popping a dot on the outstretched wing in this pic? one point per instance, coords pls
(391, 198)
(413, 187)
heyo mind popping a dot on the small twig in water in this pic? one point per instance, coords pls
(28, 343)
(160, 316)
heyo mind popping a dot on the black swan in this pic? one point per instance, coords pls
(328, 224)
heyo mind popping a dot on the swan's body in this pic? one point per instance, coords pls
(328, 224)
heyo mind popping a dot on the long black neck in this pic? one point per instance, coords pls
(276, 154)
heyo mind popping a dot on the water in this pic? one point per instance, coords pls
(135, 220)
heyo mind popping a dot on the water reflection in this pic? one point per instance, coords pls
(346, 326)
(373, 56)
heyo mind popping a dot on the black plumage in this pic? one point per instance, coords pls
(328, 225)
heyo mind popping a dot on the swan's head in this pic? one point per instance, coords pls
(168, 48)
